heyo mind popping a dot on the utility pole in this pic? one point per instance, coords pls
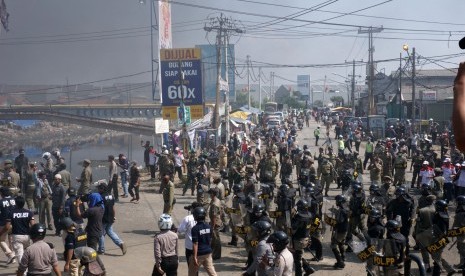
(260, 88)
(271, 86)
(414, 111)
(248, 79)
(226, 93)
(399, 97)
(223, 27)
(370, 30)
(352, 96)
(324, 92)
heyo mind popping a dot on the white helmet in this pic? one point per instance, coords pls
(165, 222)
(46, 155)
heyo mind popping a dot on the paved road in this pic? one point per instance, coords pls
(136, 225)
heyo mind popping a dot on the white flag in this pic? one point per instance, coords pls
(224, 85)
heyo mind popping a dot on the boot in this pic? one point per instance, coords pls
(339, 263)
(233, 241)
(342, 252)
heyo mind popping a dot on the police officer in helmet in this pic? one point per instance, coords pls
(283, 260)
(260, 233)
(40, 257)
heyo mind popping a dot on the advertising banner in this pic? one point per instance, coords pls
(164, 35)
(181, 81)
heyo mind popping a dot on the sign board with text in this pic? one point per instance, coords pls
(181, 80)
(171, 112)
(162, 126)
(428, 96)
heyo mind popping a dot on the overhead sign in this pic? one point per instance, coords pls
(428, 96)
(181, 76)
(184, 116)
(162, 126)
(171, 112)
(303, 84)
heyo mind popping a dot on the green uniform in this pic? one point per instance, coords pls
(168, 198)
(400, 165)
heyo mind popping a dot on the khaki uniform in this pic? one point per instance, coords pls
(86, 180)
(327, 175)
(168, 198)
(424, 230)
(387, 163)
(215, 213)
(14, 183)
(459, 221)
(271, 165)
(400, 165)
(376, 169)
(222, 157)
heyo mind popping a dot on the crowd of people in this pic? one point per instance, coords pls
(265, 190)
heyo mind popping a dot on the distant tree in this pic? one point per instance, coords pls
(318, 103)
(243, 99)
(337, 100)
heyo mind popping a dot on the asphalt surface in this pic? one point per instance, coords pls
(136, 225)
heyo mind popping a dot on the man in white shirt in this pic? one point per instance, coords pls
(187, 223)
(178, 162)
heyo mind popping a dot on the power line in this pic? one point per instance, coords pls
(71, 85)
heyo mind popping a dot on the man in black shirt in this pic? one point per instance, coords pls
(70, 210)
(7, 203)
(94, 216)
(19, 221)
(109, 217)
(201, 240)
(58, 202)
(74, 238)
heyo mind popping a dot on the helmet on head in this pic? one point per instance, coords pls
(283, 189)
(279, 240)
(258, 209)
(37, 231)
(67, 222)
(237, 188)
(85, 254)
(46, 155)
(441, 205)
(357, 188)
(302, 205)
(262, 228)
(375, 214)
(340, 199)
(165, 222)
(374, 188)
(309, 190)
(223, 173)
(426, 189)
(460, 200)
(199, 214)
(72, 191)
(393, 226)
(400, 191)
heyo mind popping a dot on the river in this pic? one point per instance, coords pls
(97, 152)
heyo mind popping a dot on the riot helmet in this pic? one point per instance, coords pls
(237, 188)
(400, 192)
(261, 228)
(374, 189)
(460, 201)
(199, 214)
(426, 189)
(302, 206)
(375, 215)
(393, 226)
(37, 231)
(340, 200)
(441, 205)
(283, 189)
(279, 240)
(258, 209)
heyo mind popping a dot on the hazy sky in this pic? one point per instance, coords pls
(46, 43)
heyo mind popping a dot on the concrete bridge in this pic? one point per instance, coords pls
(52, 114)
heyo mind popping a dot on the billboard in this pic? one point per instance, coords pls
(428, 96)
(210, 71)
(303, 85)
(181, 81)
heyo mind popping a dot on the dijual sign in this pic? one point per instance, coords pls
(181, 76)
